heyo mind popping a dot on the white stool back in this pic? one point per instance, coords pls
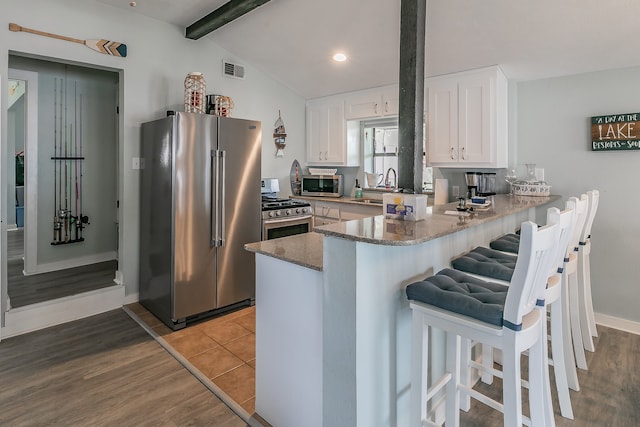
(587, 317)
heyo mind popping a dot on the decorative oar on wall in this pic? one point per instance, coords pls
(99, 45)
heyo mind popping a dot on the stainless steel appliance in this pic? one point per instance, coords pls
(322, 185)
(199, 205)
(474, 180)
(283, 217)
(488, 184)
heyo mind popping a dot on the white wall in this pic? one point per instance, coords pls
(152, 76)
(554, 131)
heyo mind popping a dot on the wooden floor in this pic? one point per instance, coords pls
(101, 371)
(26, 290)
(610, 389)
(222, 349)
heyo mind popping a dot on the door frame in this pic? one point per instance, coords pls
(30, 168)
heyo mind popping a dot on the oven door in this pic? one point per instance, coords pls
(282, 227)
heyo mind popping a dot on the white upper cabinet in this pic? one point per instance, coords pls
(467, 119)
(326, 134)
(371, 103)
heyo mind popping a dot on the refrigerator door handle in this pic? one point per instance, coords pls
(215, 200)
(223, 156)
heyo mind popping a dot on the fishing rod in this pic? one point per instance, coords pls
(82, 219)
(75, 154)
(60, 129)
(66, 164)
(55, 154)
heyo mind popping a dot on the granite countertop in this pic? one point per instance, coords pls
(302, 249)
(364, 201)
(306, 249)
(381, 231)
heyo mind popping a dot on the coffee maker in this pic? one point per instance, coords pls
(474, 181)
(487, 184)
(480, 184)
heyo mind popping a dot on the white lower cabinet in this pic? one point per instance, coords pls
(467, 119)
(329, 212)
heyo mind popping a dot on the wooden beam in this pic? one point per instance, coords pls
(221, 16)
(411, 87)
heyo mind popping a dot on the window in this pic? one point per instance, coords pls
(380, 147)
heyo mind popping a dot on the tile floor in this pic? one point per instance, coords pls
(223, 349)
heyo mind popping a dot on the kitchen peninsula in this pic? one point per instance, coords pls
(333, 339)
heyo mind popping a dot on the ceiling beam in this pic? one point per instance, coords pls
(221, 16)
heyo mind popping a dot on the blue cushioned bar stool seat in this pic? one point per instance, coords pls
(471, 309)
(458, 292)
(487, 262)
(507, 243)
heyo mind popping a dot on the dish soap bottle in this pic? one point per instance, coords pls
(358, 190)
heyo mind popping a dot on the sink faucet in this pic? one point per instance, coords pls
(387, 182)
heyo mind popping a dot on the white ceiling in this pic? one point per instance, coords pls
(293, 40)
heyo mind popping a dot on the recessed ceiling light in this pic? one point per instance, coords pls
(340, 57)
(132, 4)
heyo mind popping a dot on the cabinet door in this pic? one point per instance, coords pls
(362, 106)
(316, 133)
(327, 210)
(352, 211)
(442, 121)
(325, 132)
(390, 102)
(474, 119)
(336, 139)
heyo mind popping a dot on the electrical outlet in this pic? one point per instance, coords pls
(455, 190)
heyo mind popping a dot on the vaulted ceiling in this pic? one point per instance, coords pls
(293, 40)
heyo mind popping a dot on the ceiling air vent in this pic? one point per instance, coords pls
(230, 69)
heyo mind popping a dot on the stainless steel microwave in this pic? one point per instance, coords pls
(322, 185)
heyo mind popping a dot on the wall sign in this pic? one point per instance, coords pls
(615, 132)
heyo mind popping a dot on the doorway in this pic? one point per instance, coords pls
(69, 208)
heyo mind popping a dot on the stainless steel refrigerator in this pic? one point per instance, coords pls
(200, 203)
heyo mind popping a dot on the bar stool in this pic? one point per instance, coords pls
(502, 317)
(490, 264)
(571, 277)
(508, 244)
(587, 318)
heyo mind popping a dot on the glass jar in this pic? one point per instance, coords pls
(194, 93)
(531, 172)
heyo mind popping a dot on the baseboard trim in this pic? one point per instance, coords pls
(131, 298)
(72, 263)
(617, 323)
(34, 317)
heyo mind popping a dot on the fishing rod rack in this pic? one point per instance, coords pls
(69, 220)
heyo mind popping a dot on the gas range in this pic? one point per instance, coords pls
(285, 208)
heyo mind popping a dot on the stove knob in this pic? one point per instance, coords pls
(270, 214)
(277, 213)
(288, 212)
(298, 210)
